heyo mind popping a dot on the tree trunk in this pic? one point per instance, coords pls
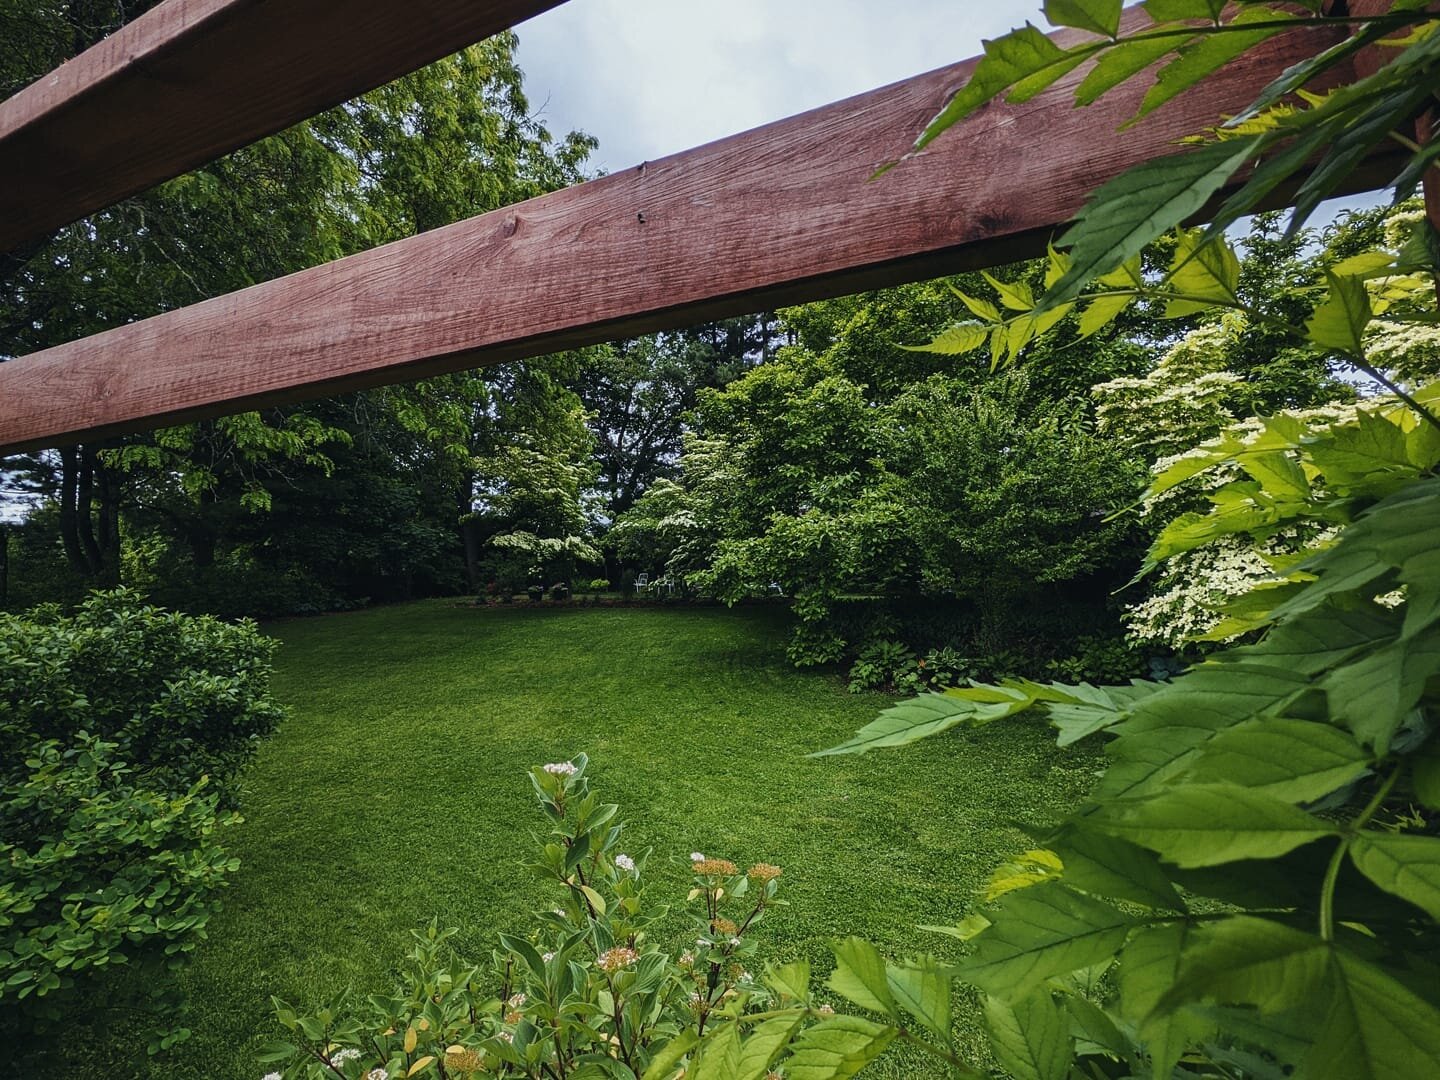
(69, 535)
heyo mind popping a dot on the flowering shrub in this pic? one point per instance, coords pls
(587, 989)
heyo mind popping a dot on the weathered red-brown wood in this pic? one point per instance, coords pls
(193, 79)
(781, 214)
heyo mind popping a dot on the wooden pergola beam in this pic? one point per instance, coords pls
(191, 80)
(779, 215)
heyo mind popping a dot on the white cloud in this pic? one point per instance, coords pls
(652, 77)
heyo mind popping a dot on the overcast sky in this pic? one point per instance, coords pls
(651, 77)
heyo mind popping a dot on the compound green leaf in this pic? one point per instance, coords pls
(1408, 866)
(1030, 1038)
(837, 1048)
(1208, 824)
(1040, 933)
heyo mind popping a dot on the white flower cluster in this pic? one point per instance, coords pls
(560, 768)
(625, 862)
(340, 1057)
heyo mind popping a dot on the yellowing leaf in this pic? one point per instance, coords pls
(420, 1065)
(411, 1038)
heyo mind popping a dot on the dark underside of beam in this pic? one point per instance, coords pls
(778, 215)
(194, 79)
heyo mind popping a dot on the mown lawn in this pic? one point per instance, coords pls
(396, 792)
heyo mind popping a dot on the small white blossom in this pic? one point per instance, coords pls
(687, 958)
(702, 943)
(561, 768)
(272, 1076)
(340, 1057)
(547, 957)
(377, 1074)
(695, 856)
(505, 1036)
(827, 1010)
(734, 941)
(624, 862)
(558, 911)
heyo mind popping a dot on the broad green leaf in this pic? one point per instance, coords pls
(1031, 868)
(923, 989)
(1101, 312)
(667, 1060)
(1146, 971)
(764, 1045)
(1023, 54)
(1376, 1029)
(1373, 695)
(1128, 212)
(1203, 56)
(1196, 825)
(1097, 16)
(718, 1056)
(1408, 866)
(837, 1048)
(1294, 760)
(1115, 65)
(1015, 295)
(1181, 10)
(1339, 323)
(981, 309)
(1107, 866)
(956, 341)
(859, 975)
(1040, 933)
(1244, 960)
(1425, 775)
(1279, 475)
(1030, 1038)
(1207, 273)
(929, 714)
(1166, 730)
(792, 979)
(596, 900)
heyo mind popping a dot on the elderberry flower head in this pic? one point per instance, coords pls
(561, 768)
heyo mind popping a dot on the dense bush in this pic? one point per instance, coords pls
(180, 696)
(122, 729)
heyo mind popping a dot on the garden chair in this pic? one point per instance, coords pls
(642, 583)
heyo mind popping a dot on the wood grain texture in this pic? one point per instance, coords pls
(781, 214)
(194, 79)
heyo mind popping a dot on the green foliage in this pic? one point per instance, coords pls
(180, 698)
(587, 992)
(100, 869)
(121, 736)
